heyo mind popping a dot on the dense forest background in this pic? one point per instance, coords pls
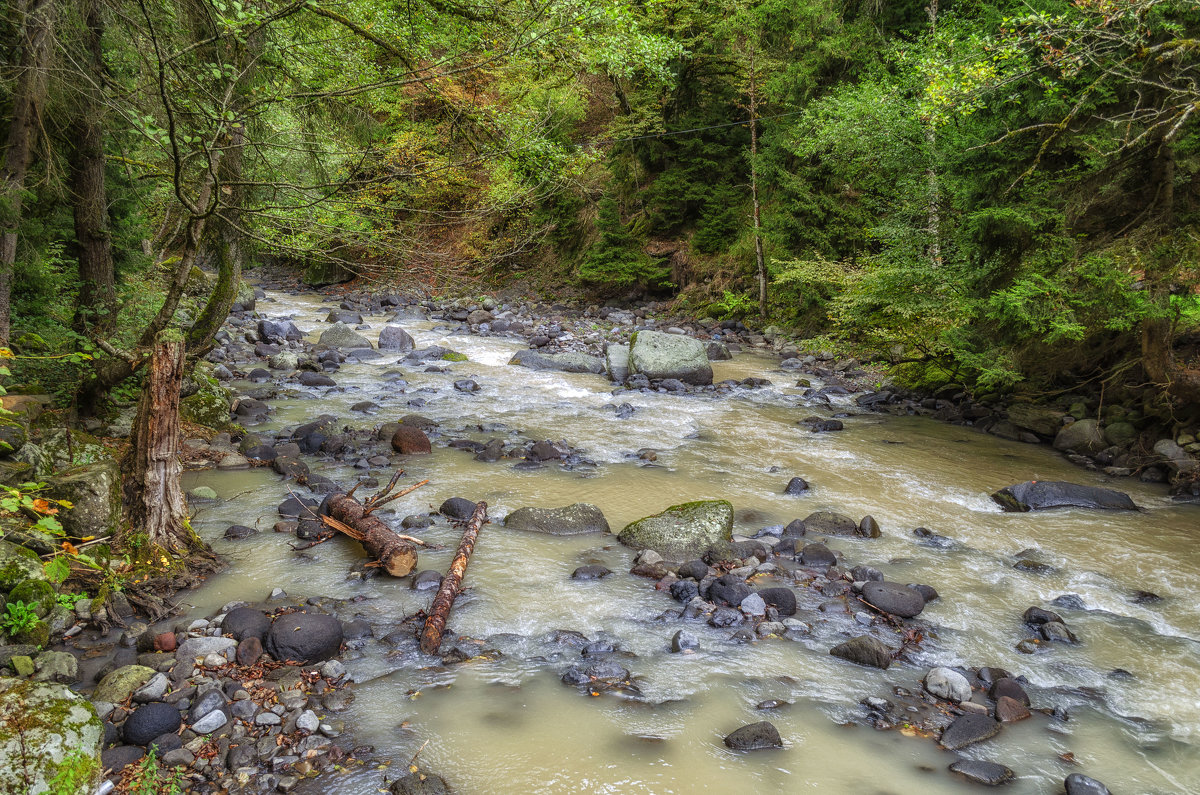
(991, 193)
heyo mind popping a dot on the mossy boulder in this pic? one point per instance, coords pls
(18, 564)
(198, 283)
(95, 491)
(208, 406)
(320, 274)
(116, 686)
(60, 728)
(14, 472)
(38, 594)
(13, 435)
(37, 634)
(657, 355)
(339, 335)
(682, 532)
(66, 449)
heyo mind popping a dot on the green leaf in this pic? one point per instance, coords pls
(57, 569)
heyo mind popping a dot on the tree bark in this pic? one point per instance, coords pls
(29, 94)
(89, 198)
(435, 623)
(397, 555)
(153, 498)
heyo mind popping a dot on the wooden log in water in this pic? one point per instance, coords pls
(435, 624)
(395, 553)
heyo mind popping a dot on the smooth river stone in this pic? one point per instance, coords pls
(970, 728)
(894, 598)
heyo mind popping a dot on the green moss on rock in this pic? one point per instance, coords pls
(17, 564)
(36, 635)
(38, 594)
(454, 356)
(682, 531)
(63, 728)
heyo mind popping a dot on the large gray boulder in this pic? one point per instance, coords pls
(339, 335)
(1175, 456)
(1042, 420)
(657, 355)
(1039, 495)
(567, 362)
(49, 739)
(616, 362)
(1084, 436)
(394, 338)
(95, 492)
(571, 520)
(682, 532)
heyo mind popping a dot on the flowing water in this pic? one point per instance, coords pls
(509, 725)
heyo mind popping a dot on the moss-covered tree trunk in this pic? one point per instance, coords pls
(152, 496)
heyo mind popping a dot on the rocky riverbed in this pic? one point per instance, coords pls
(712, 558)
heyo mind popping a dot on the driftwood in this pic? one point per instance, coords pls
(435, 624)
(394, 553)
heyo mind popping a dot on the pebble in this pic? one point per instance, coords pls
(308, 721)
(210, 722)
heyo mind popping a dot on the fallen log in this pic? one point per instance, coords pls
(394, 553)
(435, 623)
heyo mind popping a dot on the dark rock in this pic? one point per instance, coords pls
(726, 617)
(239, 531)
(294, 507)
(928, 592)
(249, 651)
(394, 338)
(457, 508)
(356, 630)
(426, 580)
(794, 529)
(684, 641)
(1037, 495)
(869, 528)
(988, 773)
(796, 486)
(119, 757)
(754, 737)
(894, 598)
(1069, 601)
(781, 598)
(1036, 616)
(150, 720)
(590, 572)
(246, 622)
(304, 637)
(817, 556)
(410, 440)
(466, 385)
(970, 728)
(728, 589)
(210, 700)
(830, 524)
(316, 379)
(684, 590)
(420, 783)
(864, 650)
(1009, 710)
(1008, 687)
(1057, 631)
(866, 574)
(1079, 784)
(819, 425)
(696, 569)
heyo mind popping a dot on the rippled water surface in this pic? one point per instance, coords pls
(510, 725)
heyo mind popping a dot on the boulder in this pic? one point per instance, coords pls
(948, 684)
(728, 589)
(1042, 420)
(1175, 457)
(94, 490)
(18, 564)
(1038, 495)
(279, 331)
(1084, 436)
(829, 523)
(149, 721)
(991, 774)
(410, 440)
(657, 355)
(568, 362)
(864, 650)
(717, 351)
(795, 487)
(304, 637)
(755, 737)
(320, 273)
(394, 338)
(60, 728)
(616, 362)
(894, 598)
(246, 622)
(459, 508)
(1079, 784)
(571, 520)
(118, 685)
(420, 782)
(682, 531)
(970, 728)
(339, 335)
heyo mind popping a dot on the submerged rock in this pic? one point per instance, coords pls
(570, 520)
(864, 650)
(990, 774)
(894, 598)
(755, 737)
(682, 531)
(1038, 495)
(970, 728)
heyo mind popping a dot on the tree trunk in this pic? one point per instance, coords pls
(89, 199)
(36, 19)
(759, 260)
(933, 208)
(396, 554)
(153, 498)
(435, 624)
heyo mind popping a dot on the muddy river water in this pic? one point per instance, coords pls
(506, 723)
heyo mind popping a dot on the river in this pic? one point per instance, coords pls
(505, 723)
